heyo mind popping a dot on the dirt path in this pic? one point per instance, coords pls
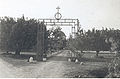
(8, 70)
(54, 68)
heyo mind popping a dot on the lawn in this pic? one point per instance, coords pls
(93, 67)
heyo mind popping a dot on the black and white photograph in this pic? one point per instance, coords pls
(59, 39)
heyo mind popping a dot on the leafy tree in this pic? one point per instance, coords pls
(91, 40)
(56, 38)
(6, 26)
(41, 41)
(24, 35)
(18, 35)
(80, 41)
(113, 40)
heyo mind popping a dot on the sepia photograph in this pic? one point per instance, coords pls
(59, 39)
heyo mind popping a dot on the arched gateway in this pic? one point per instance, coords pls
(57, 21)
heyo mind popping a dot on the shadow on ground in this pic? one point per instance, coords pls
(57, 58)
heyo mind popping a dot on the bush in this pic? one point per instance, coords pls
(114, 68)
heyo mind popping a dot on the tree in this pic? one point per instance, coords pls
(80, 41)
(18, 35)
(6, 25)
(90, 40)
(41, 41)
(24, 35)
(113, 37)
(98, 41)
(56, 38)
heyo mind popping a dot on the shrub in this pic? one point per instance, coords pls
(114, 68)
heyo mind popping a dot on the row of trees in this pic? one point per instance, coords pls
(96, 40)
(18, 35)
(21, 35)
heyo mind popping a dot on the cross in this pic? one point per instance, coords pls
(58, 9)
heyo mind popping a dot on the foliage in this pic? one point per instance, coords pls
(56, 38)
(6, 25)
(24, 34)
(114, 68)
(95, 40)
(18, 35)
(114, 65)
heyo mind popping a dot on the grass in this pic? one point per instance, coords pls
(90, 69)
(94, 67)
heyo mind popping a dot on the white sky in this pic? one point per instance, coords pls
(91, 13)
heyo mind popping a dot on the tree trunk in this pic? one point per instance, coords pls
(7, 52)
(81, 51)
(39, 57)
(97, 52)
(17, 52)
